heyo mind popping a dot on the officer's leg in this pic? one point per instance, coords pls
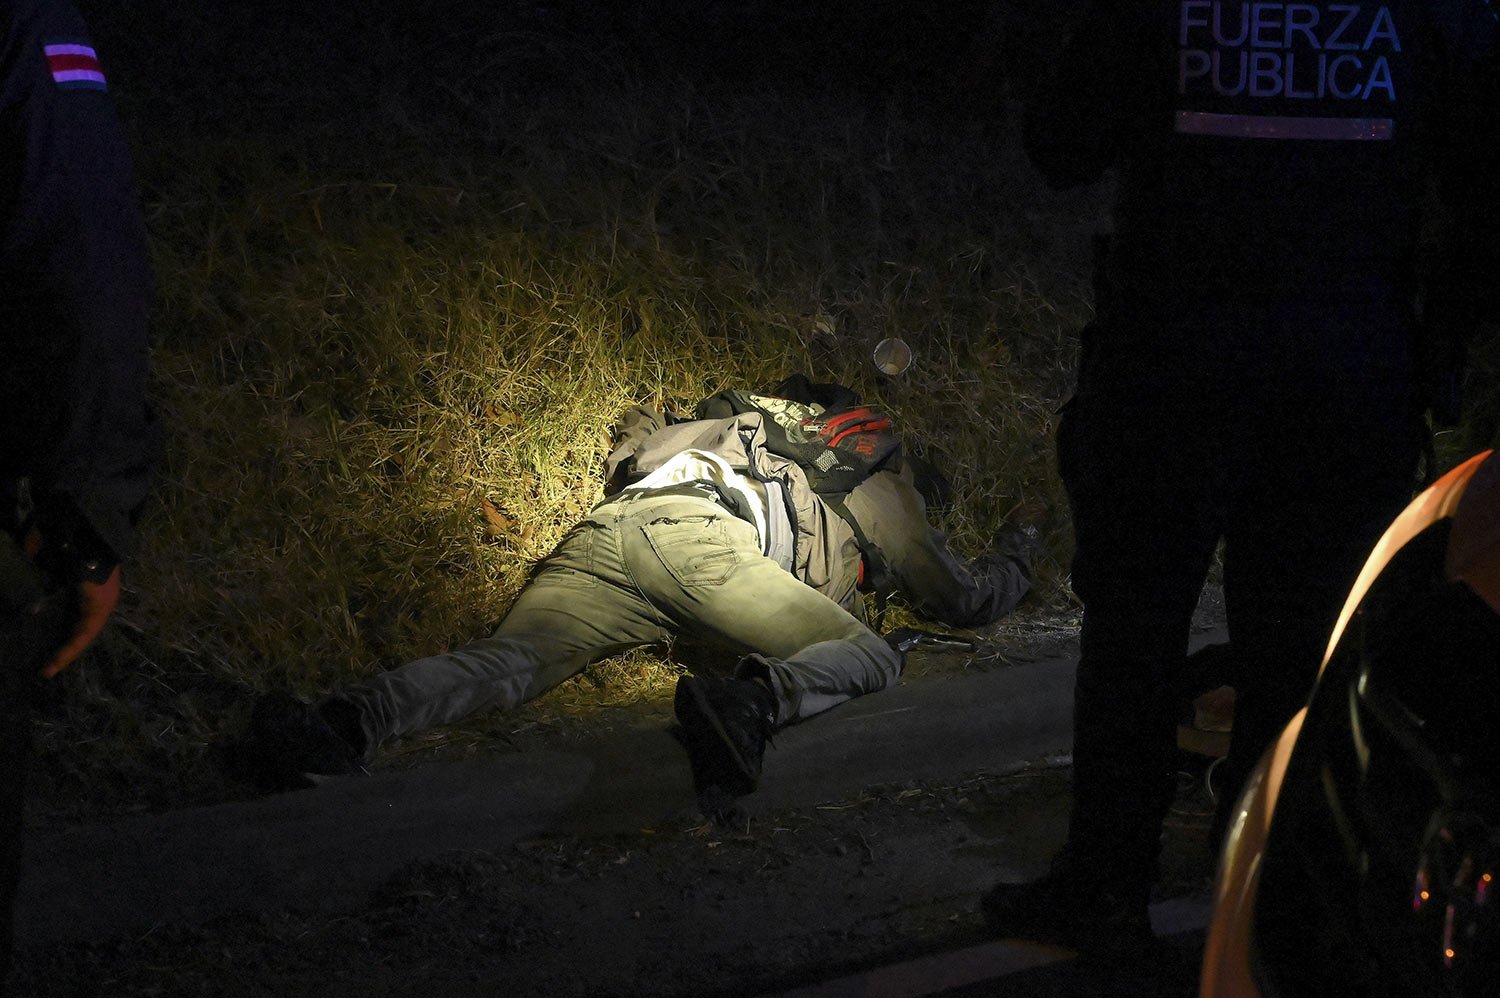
(1295, 545)
(31, 625)
(1140, 460)
(578, 608)
(704, 570)
(1145, 529)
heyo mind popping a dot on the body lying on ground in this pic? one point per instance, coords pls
(709, 536)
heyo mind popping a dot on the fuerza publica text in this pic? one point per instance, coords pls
(1287, 50)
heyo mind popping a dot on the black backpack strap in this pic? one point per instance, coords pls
(830, 395)
(877, 576)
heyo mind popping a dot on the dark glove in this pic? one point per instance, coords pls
(1439, 358)
(1440, 363)
(96, 604)
(1021, 543)
(67, 551)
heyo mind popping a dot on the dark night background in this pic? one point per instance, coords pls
(216, 59)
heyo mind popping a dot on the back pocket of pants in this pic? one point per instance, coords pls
(695, 549)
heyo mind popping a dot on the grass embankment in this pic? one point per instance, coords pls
(410, 272)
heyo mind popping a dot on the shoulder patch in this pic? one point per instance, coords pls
(73, 63)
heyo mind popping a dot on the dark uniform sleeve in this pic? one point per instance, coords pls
(1079, 119)
(893, 517)
(1466, 156)
(75, 284)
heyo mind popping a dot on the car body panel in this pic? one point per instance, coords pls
(1227, 953)
(1230, 954)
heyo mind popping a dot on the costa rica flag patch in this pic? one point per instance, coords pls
(74, 64)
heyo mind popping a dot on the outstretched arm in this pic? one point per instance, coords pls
(893, 517)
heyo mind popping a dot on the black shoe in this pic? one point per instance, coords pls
(1110, 930)
(725, 724)
(293, 745)
(1069, 907)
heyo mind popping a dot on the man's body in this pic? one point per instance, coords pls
(77, 444)
(1248, 378)
(710, 537)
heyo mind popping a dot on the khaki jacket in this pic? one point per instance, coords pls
(889, 510)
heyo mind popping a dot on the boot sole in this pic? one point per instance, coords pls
(697, 717)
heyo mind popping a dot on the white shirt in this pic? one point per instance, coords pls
(701, 466)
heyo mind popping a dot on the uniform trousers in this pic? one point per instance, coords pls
(1285, 432)
(33, 622)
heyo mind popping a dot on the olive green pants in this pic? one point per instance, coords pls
(642, 569)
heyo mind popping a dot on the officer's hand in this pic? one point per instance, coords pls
(96, 601)
(1439, 357)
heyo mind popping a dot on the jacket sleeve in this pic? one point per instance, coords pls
(893, 517)
(75, 281)
(1079, 119)
(630, 432)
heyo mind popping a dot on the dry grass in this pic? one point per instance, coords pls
(394, 330)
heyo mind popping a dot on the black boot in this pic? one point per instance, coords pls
(1069, 905)
(725, 725)
(1075, 905)
(292, 744)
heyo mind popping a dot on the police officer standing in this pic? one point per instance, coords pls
(77, 442)
(1249, 377)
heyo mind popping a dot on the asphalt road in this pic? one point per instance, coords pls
(325, 853)
(1019, 969)
(334, 844)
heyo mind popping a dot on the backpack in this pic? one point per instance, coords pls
(838, 442)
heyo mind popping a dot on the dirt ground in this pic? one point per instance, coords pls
(787, 898)
(777, 899)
